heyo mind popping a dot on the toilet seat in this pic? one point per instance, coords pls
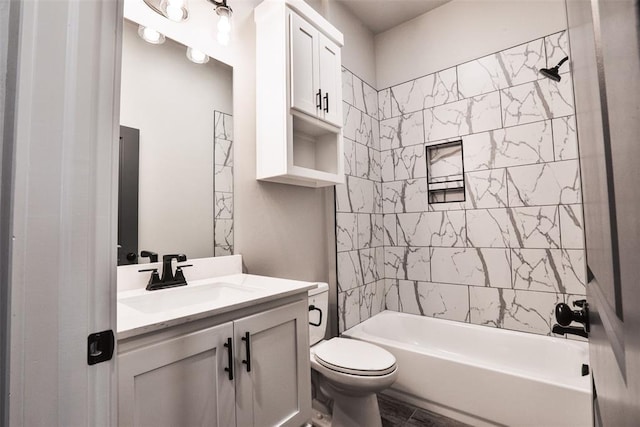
(354, 357)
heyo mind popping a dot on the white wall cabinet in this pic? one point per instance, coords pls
(299, 96)
(185, 380)
(315, 71)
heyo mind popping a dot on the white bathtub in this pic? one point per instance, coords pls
(481, 375)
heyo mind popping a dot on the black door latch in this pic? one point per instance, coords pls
(100, 347)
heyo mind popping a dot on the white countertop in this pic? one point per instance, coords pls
(141, 311)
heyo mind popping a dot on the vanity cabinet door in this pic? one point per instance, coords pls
(273, 385)
(178, 382)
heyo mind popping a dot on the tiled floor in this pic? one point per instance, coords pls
(395, 413)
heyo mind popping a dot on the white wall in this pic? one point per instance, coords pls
(280, 229)
(358, 53)
(460, 31)
(172, 100)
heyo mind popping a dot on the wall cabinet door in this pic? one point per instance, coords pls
(179, 382)
(330, 80)
(316, 80)
(304, 66)
(273, 384)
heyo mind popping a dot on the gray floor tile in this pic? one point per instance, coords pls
(424, 418)
(395, 413)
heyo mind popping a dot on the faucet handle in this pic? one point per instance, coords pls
(580, 303)
(179, 275)
(153, 280)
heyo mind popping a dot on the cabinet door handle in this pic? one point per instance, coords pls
(229, 345)
(319, 99)
(247, 342)
(326, 102)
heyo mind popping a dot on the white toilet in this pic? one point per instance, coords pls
(351, 372)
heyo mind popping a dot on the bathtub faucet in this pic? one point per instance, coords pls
(575, 330)
(565, 315)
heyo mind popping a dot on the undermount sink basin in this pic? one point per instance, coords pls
(185, 296)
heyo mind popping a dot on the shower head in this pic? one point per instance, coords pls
(552, 73)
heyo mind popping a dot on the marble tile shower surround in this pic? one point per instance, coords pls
(515, 247)
(223, 183)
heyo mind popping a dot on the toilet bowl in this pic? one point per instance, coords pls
(351, 372)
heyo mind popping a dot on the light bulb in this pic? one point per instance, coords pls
(223, 38)
(224, 24)
(150, 35)
(176, 10)
(197, 56)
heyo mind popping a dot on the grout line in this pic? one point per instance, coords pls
(436, 141)
(481, 247)
(553, 139)
(493, 169)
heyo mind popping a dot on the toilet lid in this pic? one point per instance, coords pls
(355, 357)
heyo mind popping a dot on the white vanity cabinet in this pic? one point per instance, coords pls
(298, 96)
(181, 377)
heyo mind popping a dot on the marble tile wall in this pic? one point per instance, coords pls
(508, 253)
(359, 226)
(223, 184)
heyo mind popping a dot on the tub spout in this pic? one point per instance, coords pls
(561, 330)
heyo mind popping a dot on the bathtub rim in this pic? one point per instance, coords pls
(579, 383)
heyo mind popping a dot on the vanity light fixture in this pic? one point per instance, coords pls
(150, 35)
(224, 13)
(174, 10)
(197, 56)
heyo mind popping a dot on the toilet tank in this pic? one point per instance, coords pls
(319, 299)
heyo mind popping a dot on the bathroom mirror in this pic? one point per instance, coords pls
(180, 114)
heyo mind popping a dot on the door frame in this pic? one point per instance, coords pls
(8, 67)
(58, 229)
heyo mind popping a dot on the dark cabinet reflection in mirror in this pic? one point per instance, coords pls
(129, 154)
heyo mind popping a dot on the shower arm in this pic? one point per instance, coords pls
(562, 61)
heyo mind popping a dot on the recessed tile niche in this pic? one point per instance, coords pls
(445, 172)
